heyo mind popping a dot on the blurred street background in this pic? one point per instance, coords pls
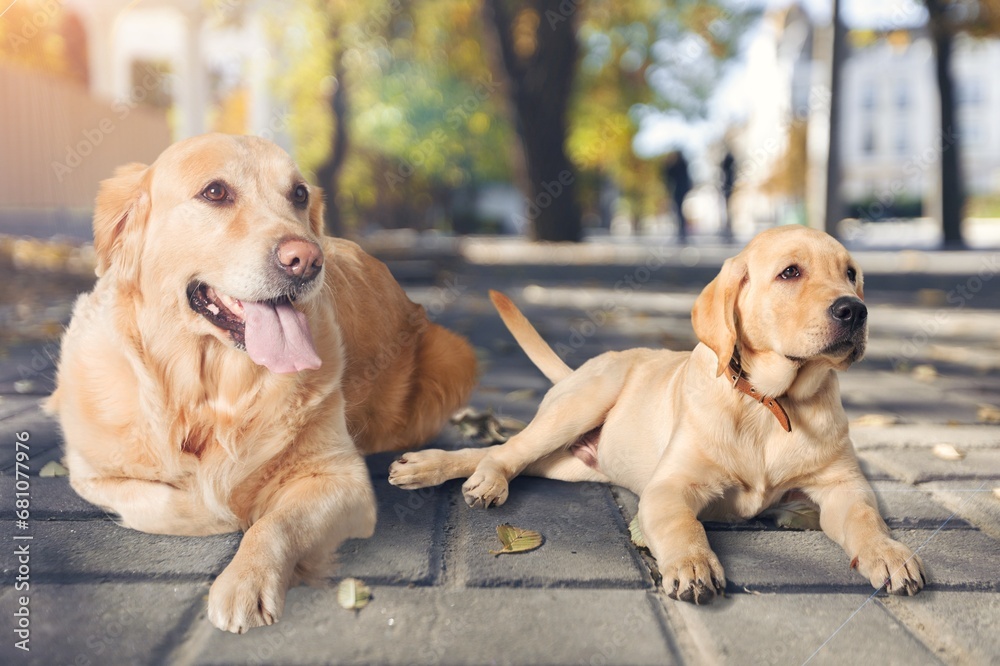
(607, 123)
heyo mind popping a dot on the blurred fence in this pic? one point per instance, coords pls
(57, 143)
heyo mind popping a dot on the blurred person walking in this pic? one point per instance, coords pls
(677, 178)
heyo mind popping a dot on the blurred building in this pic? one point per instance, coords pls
(145, 74)
(890, 129)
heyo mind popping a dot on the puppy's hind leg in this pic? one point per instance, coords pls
(573, 407)
(432, 467)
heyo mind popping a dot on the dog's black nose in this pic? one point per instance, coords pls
(849, 311)
(300, 258)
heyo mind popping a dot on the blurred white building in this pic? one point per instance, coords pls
(190, 52)
(890, 143)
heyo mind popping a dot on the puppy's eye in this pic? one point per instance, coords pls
(300, 195)
(215, 192)
(790, 273)
(852, 275)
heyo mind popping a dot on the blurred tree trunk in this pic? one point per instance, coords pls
(328, 173)
(952, 194)
(536, 46)
(834, 200)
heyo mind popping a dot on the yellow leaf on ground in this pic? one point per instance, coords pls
(988, 414)
(53, 468)
(516, 539)
(353, 594)
(635, 533)
(948, 452)
(875, 420)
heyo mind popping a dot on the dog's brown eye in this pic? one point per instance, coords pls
(852, 275)
(215, 192)
(300, 195)
(790, 273)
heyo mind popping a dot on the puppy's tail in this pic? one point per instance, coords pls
(540, 353)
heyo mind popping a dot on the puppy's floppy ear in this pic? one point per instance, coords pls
(714, 313)
(316, 211)
(120, 213)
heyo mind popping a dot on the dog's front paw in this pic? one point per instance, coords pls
(697, 576)
(242, 598)
(485, 488)
(893, 565)
(419, 469)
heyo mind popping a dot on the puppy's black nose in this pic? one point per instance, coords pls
(849, 311)
(300, 258)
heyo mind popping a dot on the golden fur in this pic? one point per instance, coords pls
(670, 426)
(172, 426)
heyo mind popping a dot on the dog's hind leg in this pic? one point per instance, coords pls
(432, 467)
(573, 407)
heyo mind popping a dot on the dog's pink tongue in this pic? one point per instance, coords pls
(277, 337)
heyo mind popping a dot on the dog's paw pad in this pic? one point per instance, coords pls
(892, 565)
(697, 579)
(241, 600)
(417, 469)
(485, 489)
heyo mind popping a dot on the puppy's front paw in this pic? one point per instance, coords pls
(242, 598)
(485, 488)
(419, 469)
(893, 565)
(696, 576)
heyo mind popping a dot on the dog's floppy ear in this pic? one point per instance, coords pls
(714, 313)
(120, 213)
(316, 211)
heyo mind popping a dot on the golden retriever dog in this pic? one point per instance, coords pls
(719, 433)
(232, 364)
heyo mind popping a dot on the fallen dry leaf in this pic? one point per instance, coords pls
(516, 540)
(947, 452)
(924, 373)
(996, 493)
(635, 533)
(53, 468)
(353, 594)
(875, 420)
(794, 515)
(485, 426)
(988, 414)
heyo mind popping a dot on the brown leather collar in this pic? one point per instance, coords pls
(743, 385)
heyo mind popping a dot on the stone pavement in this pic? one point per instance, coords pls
(101, 594)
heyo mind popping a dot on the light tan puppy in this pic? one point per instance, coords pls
(694, 436)
(232, 364)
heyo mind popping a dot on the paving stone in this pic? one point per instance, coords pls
(43, 439)
(406, 548)
(800, 561)
(586, 539)
(67, 551)
(926, 436)
(87, 624)
(52, 498)
(11, 405)
(31, 363)
(919, 465)
(791, 628)
(905, 507)
(467, 627)
(971, 500)
(960, 626)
